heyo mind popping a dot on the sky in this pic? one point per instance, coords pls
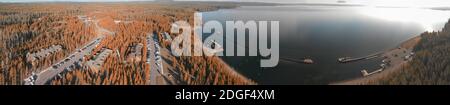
(396, 3)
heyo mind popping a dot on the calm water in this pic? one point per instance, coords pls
(325, 33)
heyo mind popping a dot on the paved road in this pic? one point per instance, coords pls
(151, 60)
(66, 64)
(154, 59)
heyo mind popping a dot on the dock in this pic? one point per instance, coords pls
(304, 61)
(350, 59)
(365, 73)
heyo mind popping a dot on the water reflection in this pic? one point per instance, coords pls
(431, 20)
(325, 33)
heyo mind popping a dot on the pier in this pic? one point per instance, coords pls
(305, 61)
(349, 59)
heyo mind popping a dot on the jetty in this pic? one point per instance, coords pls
(304, 61)
(350, 59)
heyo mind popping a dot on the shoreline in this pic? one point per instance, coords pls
(227, 67)
(235, 72)
(364, 80)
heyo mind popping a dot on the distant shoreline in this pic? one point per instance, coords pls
(441, 8)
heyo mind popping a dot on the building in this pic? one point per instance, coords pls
(96, 63)
(135, 54)
(41, 54)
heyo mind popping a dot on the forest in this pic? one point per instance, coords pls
(30, 27)
(430, 64)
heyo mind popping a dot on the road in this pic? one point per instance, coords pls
(68, 63)
(101, 30)
(156, 68)
(150, 59)
(64, 65)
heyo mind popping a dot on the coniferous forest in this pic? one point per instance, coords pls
(29, 32)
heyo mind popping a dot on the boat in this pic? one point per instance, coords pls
(308, 61)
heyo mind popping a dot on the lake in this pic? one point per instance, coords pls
(326, 33)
